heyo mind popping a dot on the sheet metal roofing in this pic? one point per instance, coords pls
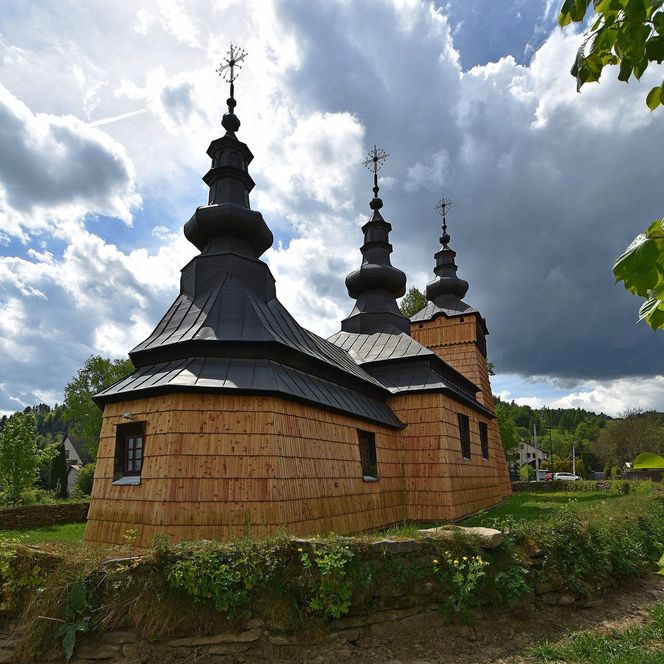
(231, 315)
(402, 364)
(387, 344)
(453, 308)
(252, 376)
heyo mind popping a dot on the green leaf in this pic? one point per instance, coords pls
(655, 48)
(647, 308)
(654, 98)
(636, 267)
(77, 596)
(658, 21)
(626, 68)
(656, 317)
(656, 230)
(640, 67)
(69, 641)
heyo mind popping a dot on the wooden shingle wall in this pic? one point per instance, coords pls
(480, 482)
(454, 339)
(218, 466)
(440, 483)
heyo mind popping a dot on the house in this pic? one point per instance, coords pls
(237, 419)
(529, 454)
(77, 457)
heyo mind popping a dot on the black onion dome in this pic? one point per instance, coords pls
(377, 283)
(227, 223)
(447, 284)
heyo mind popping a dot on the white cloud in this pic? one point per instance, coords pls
(616, 396)
(548, 184)
(57, 165)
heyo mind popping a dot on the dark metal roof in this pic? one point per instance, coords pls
(387, 344)
(452, 308)
(231, 320)
(249, 376)
(424, 374)
(227, 330)
(402, 364)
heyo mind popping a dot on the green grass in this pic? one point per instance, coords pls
(643, 644)
(68, 532)
(535, 506)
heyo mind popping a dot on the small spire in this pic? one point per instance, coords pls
(447, 288)
(442, 207)
(374, 162)
(376, 286)
(227, 70)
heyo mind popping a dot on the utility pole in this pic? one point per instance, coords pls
(537, 477)
(573, 458)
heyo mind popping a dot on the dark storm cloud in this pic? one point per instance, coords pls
(547, 190)
(48, 160)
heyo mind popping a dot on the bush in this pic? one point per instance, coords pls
(58, 472)
(526, 473)
(83, 482)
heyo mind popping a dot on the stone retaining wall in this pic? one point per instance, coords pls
(34, 516)
(258, 640)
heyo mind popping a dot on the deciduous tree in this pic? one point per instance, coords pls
(18, 455)
(508, 431)
(81, 414)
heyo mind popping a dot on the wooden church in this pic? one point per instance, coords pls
(239, 420)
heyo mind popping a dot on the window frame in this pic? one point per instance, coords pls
(463, 422)
(484, 439)
(127, 436)
(368, 456)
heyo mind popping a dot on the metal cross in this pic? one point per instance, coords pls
(374, 162)
(375, 159)
(442, 207)
(227, 68)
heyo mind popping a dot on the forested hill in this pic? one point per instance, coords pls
(556, 418)
(49, 421)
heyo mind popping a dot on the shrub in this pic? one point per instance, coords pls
(512, 584)
(83, 483)
(526, 472)
(18, 456)
(225, 574)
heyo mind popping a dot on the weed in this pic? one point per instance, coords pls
(327, 576)
(512, 584)
(464, 574)
(76, 619)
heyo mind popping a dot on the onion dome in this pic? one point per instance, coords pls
(447, 288)
(226, 223)
(377, 284)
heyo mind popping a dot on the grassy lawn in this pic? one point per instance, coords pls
(639, 644)
(68, 532)
(534, 506)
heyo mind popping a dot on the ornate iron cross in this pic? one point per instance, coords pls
(226, 70)
(442, 207)
(374, 162)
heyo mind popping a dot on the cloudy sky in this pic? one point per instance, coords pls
(106, 110)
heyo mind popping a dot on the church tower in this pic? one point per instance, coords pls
(454, 330)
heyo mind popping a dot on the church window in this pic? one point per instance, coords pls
(464, 434)
(368, 454)
(129, 446)
(484, 440)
